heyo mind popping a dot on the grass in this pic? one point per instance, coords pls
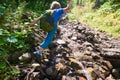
(104, 18)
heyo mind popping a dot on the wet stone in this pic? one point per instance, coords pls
(60, 42)
(80, 54)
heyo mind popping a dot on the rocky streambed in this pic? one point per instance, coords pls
(77, 53)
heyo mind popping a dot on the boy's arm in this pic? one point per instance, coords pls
(34, 22)
(68, 6)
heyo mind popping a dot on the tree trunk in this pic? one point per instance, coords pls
(77, 3)
(80, 2)
(97, 4)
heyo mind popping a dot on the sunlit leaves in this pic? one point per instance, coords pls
(15, 72)
(1, 31)
(2, 42)
(2, 9)
(3, 66)
(11, 39)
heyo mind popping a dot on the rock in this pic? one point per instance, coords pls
(116, 73)
(60, 42)
(112, 56)
(74, 38)
(76, 64)
(91, 74)
(87, 44)
(34, 65)
(79, 54)
(110, 77)
(82, 78)
(60, 66)
(14, 58)
(108, 65)
(45, 79)
(95, 56)
(35, 75)
(25, 57)
(87, 58)
(51, 71)
(90, 48)
(81, 29)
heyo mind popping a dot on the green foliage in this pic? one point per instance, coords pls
(2, 10)
(106, 18)
(14, 41)
(3, 67)
(15, 34)
(15, 72)
(105, 9)
(114, 1)
(41, 5)
(6, 72)
(118, 29)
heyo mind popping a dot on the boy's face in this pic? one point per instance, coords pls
(55, 5)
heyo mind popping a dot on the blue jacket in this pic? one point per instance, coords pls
(48, 40)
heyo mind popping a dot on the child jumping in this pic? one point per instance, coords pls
(57, 12)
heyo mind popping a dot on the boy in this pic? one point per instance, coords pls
(57, 12)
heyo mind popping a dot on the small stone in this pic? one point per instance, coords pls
(46, 79)
(35, 65)
(60, 41)
(116, 73)
(87, 44)
(25, 57)
(74, 38)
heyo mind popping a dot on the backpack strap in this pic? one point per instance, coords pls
(50, 11)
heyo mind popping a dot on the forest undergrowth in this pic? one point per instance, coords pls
(16, 35)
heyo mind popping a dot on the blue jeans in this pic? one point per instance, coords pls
(49, 38)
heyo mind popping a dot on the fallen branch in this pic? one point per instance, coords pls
(99, 74)
(8, 63)
(111, 50)
(28, 74)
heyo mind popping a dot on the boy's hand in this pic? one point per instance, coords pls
(32, 24)
(68, 6)
(69, 0)
(40, 48)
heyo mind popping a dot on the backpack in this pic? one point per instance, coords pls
(47, 21)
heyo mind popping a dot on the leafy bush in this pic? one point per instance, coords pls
(14, 36)
(114, 1)
(2, 10)
(106, 18)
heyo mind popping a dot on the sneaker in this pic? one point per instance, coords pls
(37, 56)
(37, 53)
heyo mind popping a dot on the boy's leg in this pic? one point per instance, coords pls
(45, 43)
(48, 39)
